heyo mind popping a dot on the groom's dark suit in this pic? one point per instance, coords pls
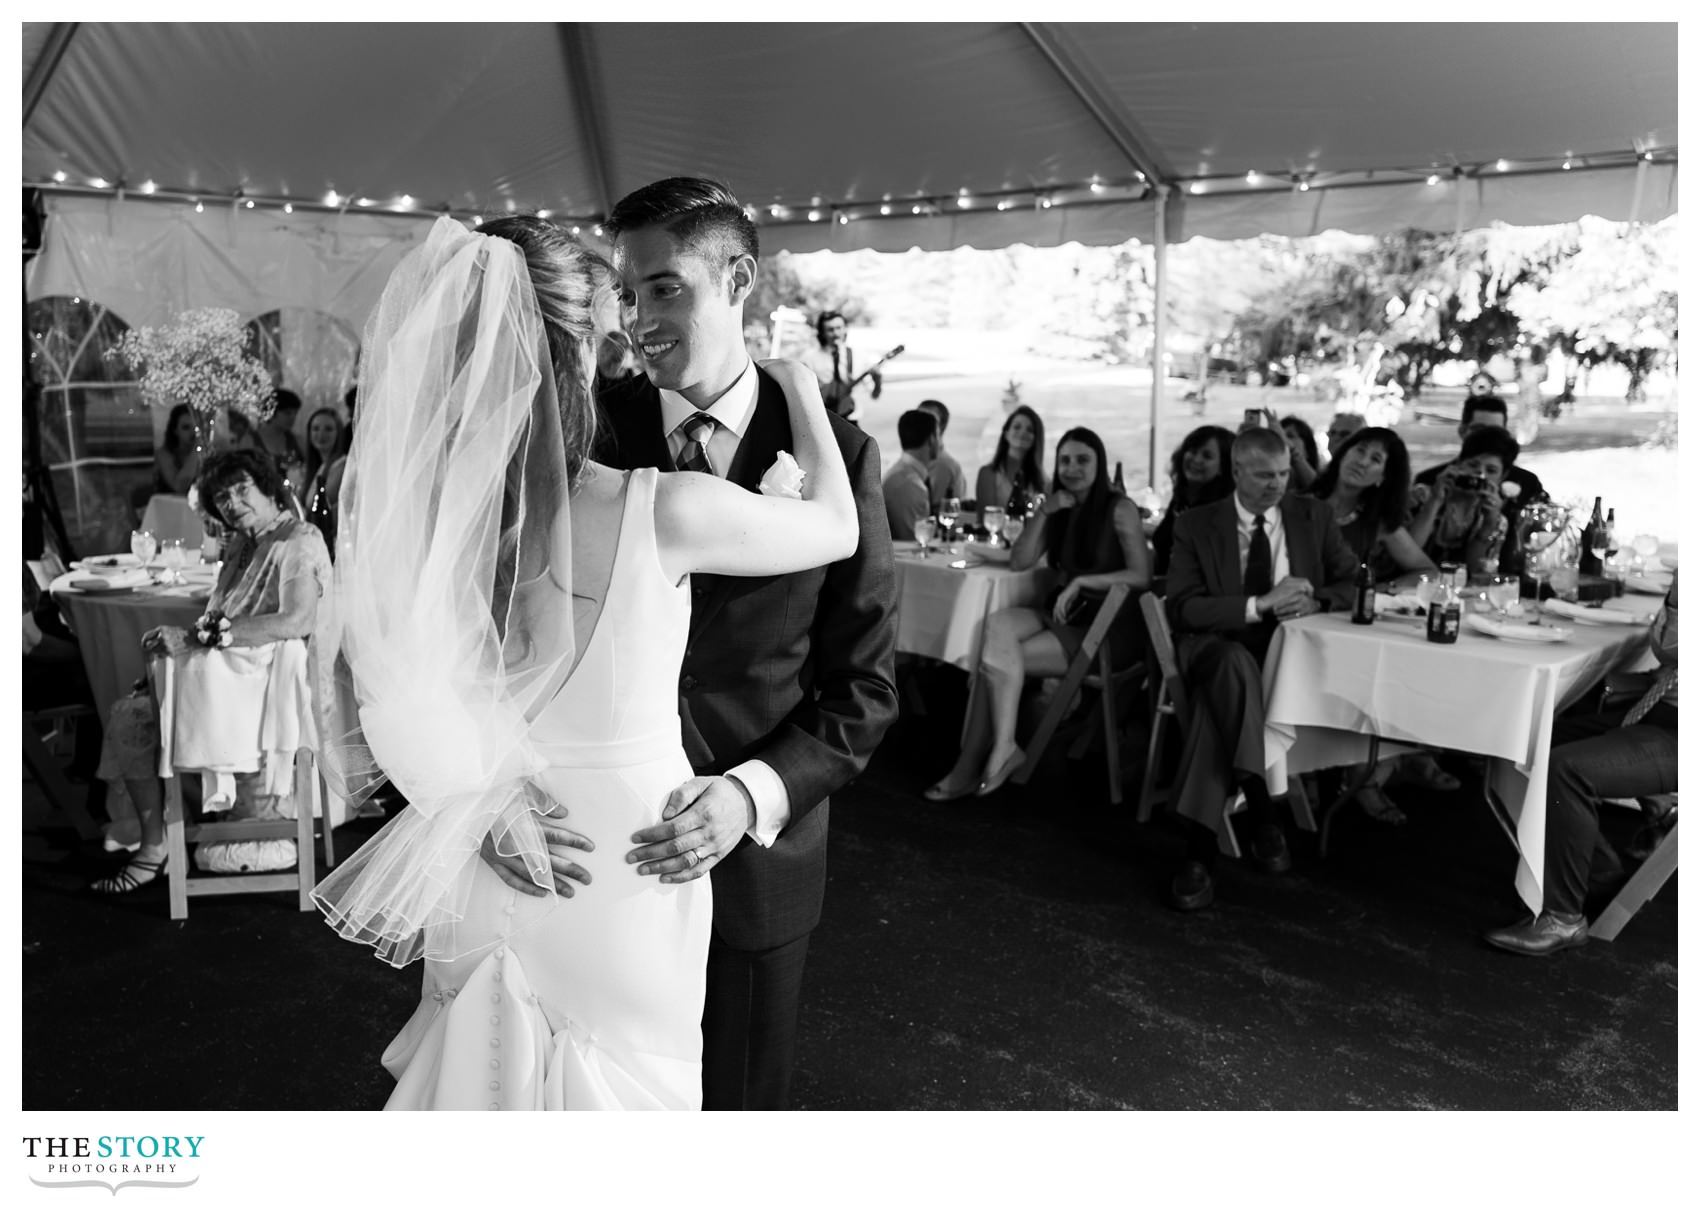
(796, 671)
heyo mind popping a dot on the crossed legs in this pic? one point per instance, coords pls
(1017, 646)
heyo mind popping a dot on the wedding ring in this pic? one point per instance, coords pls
(699, 855)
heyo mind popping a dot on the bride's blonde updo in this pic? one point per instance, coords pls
(569, 280)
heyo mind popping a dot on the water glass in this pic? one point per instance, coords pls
(1502, 592)
(1428, 588)
(949, 512)
(175, 558)
(1012, 528)
(143, 545)
(1565, 581)
(991, 518)
(924, 532)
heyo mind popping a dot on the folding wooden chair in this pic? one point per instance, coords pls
(1090, 669)
(179, 833)
(1649, 877)
(1172, 708)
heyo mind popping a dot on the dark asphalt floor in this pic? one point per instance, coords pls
(1005, 953)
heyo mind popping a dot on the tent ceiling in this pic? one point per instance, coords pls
(486, 117)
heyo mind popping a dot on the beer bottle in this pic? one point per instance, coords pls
(1363, 595)
(1445, 615)
(1122, 488)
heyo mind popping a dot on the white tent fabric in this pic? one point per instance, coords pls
(485, 118)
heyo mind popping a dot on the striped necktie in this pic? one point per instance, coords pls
(1665, 679)
(698, 428)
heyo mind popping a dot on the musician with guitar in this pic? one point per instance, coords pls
(834, 365)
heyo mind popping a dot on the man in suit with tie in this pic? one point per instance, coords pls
(1239, 567)
(788, 682)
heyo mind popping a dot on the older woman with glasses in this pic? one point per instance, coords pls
(275, 571)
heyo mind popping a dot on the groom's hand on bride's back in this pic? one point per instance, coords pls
(558, 840)
(701, 822)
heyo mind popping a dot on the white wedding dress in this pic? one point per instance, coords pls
(592, 1002)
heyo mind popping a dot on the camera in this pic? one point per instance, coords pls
(1469, 483)
(1253, 419)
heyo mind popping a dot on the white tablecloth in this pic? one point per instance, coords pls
(941, 611)
(109, 626)
(1329, 684)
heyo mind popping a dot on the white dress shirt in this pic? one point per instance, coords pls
(1279, 568)
(732, 413)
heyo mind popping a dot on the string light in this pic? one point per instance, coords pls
(1501, 165)
(885, 209)
(1646, 155)
(597, 230)
(542, 214)
(1096, 186)
(843, 218)
(814, 216)
(59, 176)
(1304, 187)
(330, 197)
(1004, 204)
(1197, 187)
(249, 204)
(406, 202)
(916, 209)
(198, 207)
(478, 220)
(1046, 201)
(1434, 178)
(98, 182)
(1251, 177)
(963, 201)
(148, 187)
(289, 208)
(1566, 165)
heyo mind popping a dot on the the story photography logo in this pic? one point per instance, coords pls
(114, 1161)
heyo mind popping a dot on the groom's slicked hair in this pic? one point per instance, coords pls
(703, 215)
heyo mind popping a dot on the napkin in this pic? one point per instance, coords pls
(1602, 615)
(1403, 603)
(129, 579)
(1515, 631)
(1647, 585)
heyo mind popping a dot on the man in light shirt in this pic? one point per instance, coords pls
(904, 488)
(944, 477)
(1240, 567)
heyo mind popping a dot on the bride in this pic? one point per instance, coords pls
(512, 616)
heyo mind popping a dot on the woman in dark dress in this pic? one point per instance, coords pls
(1200, 472)
(1093, 537)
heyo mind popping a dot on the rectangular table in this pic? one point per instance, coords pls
(1329, 686)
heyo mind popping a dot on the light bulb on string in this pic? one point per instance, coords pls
(1046, 202)
(814, 216)
(1501, 165)
(1304, 186)
(59, 176)
(1004, 203)
(843, 218)
(405, 201)
(543, 214)
(885, 209)
(915, 210)
(99, 182)
(1434, 178)
(148, 187)
(963, 201)
(289, 208)
(597, 230)
(198, 207)
(1096, 187)
(575, 229)
(1566, 165)
(1251, 177)
(330, 197)
(249, 204)
(1197, 187)
(479, 219)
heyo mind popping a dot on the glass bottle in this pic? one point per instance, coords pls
(1363, 596)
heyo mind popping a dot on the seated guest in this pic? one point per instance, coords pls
(905, 485)
(1367, 487)
(176, 463)
(1199, 473)
(1240, 567)
(1459, 518)
(274, 572)
(1093, 537)
(1622, 754)
(944, 477)
(1301, 445)
(327, 457)
(1017, 470)
(1340, 427)
(1488, 411)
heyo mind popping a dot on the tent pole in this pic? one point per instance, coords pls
(580, 66)
(1159, 330)
(41, 73)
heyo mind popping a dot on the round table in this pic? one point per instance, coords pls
(109, 626)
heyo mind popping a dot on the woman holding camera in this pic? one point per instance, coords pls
(1094, 537)
(1461, 520)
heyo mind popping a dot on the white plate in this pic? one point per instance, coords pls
(1520, 633)
(988, 552)
(107, 563)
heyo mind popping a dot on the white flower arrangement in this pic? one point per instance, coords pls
(198, 359)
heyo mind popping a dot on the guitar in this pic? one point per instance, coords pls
(837, 395)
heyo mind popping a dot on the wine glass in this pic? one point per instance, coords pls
(991, 517)
(1428, 588)
(1012, 528)
(949, 512)
(143, 545)
(1646, 549)
(924, 532)
(175, 558)
(1540, 524)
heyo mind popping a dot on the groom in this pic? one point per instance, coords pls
(787, 684)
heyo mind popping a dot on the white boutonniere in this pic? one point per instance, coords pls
(784, 478)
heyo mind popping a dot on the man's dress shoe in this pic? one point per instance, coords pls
(1192, 888)
(1269, 850)
(1541, 935)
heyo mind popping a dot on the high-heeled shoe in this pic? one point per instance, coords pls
(1002, 774)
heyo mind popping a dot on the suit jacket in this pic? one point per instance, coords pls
(1205, 591)
(797, 670)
